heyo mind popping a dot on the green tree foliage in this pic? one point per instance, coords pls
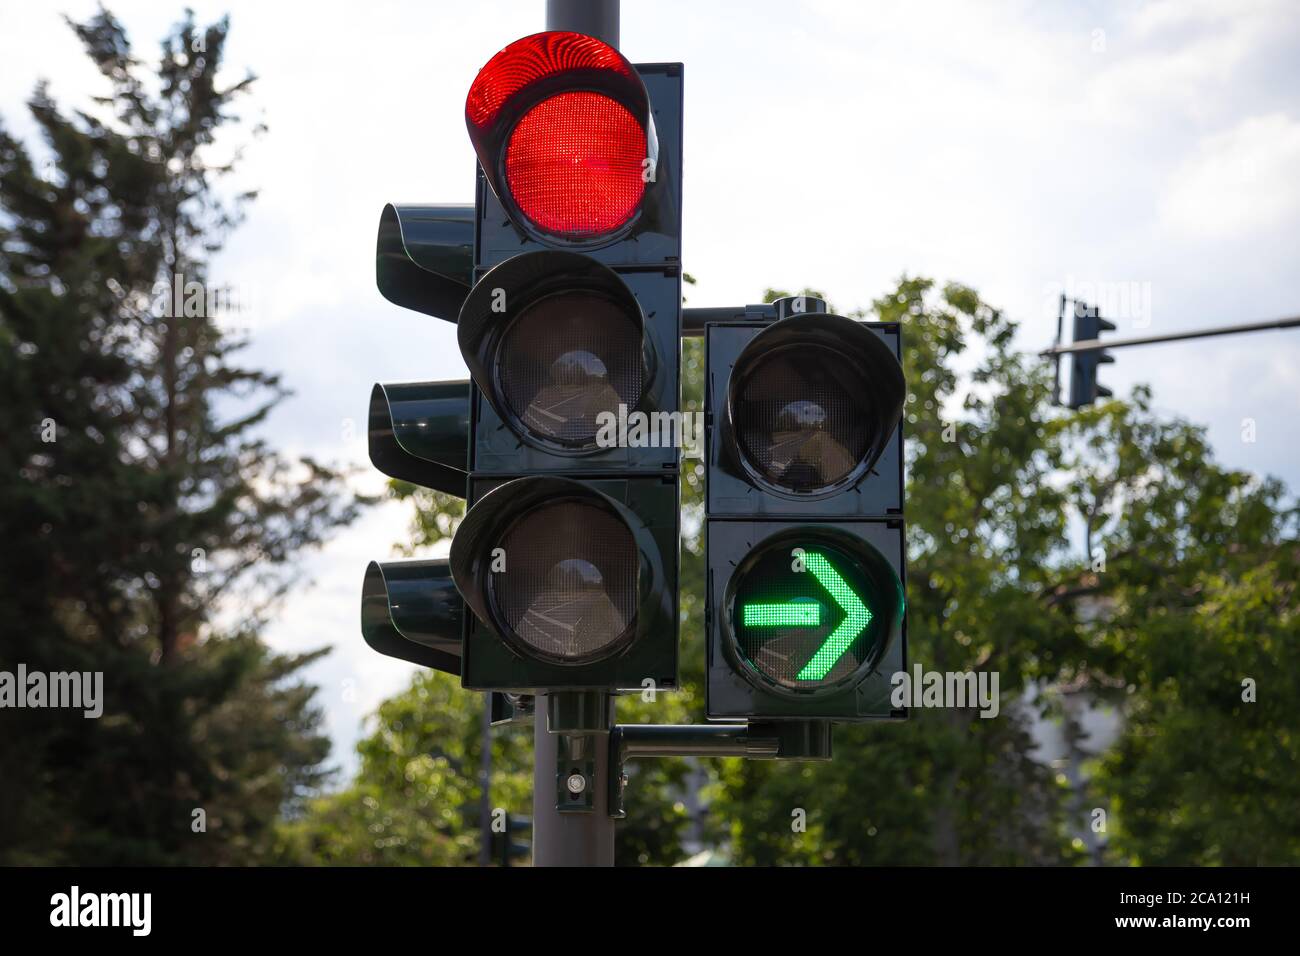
(373, 822)
(415, 800)
(1181, 587)
(984, 526)
(1099, 552)
(134, 491)
(1199, 643)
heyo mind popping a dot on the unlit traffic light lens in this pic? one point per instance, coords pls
(566, 359)
(800, 418)
(568, 591)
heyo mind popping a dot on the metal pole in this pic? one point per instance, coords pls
(485, 789)
(583, 838)
(596, 18)
(1093, 345)
(573, 838)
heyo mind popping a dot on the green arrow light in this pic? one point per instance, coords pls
(856, 618)
(802, 614)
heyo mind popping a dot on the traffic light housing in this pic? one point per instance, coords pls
(559, 343)
(567, 556)
(564, 281)
(572, 584)
(804, 522)
(1084, 387)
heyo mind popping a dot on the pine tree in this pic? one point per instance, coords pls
(133, 504)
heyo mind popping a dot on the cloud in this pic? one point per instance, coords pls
(1171, 62)
(1240, 182)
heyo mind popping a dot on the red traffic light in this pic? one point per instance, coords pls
(561, 124)
(573, 164)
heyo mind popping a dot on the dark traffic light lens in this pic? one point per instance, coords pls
(574, 164)
(806, 614)
(568, 591)
(566, 359)
(800, 418)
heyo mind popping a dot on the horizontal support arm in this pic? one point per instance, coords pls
(690, 740)
(693, 320)
(1094, 345)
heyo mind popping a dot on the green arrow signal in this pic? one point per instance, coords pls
(856, 618)
(793, 614)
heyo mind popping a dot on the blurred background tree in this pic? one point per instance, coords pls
(135, 493)
(1198, 642)
(415, 799)
(1098, 553)
(984, 527)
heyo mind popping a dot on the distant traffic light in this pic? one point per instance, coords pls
(804, 520)
(1088, 326)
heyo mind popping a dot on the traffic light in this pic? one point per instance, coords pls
(1088, 326)
(564, 281)
(804, 518)
(567, 556)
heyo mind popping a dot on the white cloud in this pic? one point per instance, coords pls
(1245, 181)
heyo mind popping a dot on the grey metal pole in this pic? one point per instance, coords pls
(573, 838)
(570, 838)
(596, 18)
(485, 788)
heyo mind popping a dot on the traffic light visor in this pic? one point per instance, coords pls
(562, 126)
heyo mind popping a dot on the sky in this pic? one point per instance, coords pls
(1143, 155)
